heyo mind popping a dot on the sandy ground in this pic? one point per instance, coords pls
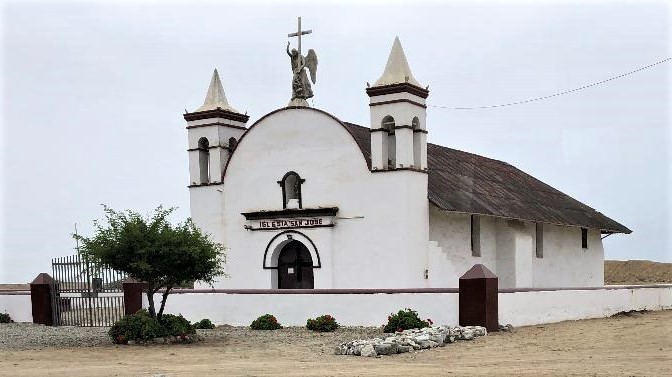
(637, 272)
(625, 345)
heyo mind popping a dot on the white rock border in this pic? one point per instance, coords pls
(410, 340)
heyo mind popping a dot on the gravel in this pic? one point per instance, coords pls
(25, 336)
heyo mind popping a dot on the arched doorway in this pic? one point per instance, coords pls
(295, 267)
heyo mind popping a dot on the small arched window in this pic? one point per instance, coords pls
(417, 143)
(389, 143)
(232, 143)
(415, 123)
(388, 124)
(291, 190)
(204, 159)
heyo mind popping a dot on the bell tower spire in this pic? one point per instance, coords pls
(213, 130)
(215, 98)
(398, 116)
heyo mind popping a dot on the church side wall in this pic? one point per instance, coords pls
(452, 232)
(508, 249)
(565, 263)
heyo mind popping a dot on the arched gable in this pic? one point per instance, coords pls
(242, 138)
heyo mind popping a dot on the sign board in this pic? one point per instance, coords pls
(273, 224)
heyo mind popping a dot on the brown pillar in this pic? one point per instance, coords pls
(478, 298)
(40, 299)
(133, 290)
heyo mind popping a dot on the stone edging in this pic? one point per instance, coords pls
(410, 340)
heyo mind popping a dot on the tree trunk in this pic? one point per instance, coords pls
(150, 300)
(163, 302)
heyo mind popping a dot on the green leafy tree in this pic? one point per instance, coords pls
(152, 250)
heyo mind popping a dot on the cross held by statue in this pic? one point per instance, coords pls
(299, 33)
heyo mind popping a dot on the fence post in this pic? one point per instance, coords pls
(133, 290)
(478, 298)
(41, 300)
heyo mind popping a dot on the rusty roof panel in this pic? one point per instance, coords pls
(465, 182)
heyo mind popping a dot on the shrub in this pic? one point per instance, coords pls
(204, 324)
(138, 326)
(176, 325)
(404, 320)
(5, 318)
(324, 323)
(265, 322)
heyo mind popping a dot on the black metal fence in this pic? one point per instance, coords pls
(85, 293)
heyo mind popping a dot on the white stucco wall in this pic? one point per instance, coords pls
(18, 306)
(517, 308)
(508, 249)
(295, 309)
(530, 308)
(382, 218)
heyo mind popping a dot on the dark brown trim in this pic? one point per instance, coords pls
(340, 291)
(421, 131)
(303, 227)
(606, 287)
(334, 291)
(398, 169)
(210, 147)
(290, 213)
(396, 128)
(216, 124)
(366, 162)
(206, 184)
(397, 101)
(284, 233)
(397, 88)
(218, 113)
(14, 293)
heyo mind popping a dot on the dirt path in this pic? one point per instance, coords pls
(637, 345)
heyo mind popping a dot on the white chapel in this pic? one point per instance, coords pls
(375, 205)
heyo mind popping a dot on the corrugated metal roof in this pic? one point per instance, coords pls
(469, 183)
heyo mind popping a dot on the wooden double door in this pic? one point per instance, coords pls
(295, 267)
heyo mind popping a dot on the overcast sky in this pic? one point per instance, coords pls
(93, 97)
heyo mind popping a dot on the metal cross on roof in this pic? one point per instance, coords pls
(299, 33)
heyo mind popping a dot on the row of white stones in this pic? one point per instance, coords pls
(409, 340)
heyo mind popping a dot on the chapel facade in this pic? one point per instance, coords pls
(376, 206)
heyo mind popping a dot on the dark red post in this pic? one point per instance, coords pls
(478, 298)
(41, 300)
(133, 295)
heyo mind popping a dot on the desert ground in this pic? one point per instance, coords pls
(637, 272)
(634, 344)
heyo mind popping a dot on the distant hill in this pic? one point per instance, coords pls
(636, 272)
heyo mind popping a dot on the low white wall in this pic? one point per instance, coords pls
(535, 307)
(18, 306)
(295, 309)
(518, 308)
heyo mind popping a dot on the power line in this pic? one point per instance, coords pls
(555, 94)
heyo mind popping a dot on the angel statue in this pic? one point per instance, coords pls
(301, 89)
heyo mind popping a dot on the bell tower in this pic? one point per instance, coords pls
(213, 131)
(398, 117)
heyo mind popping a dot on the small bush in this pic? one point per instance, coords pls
(204, 324)
(5, 318)
(324, 323)
(176, 325)
(265, 322)
(138, 326)
(404, 320)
